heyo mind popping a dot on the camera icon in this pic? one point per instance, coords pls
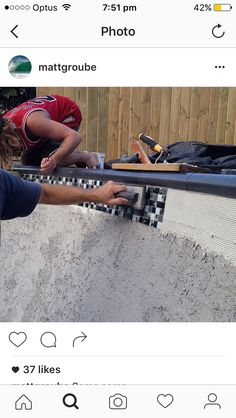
(118, 401)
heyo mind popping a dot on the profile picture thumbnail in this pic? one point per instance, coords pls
(20, 66)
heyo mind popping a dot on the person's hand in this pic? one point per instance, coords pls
(91, 160)
(47, 165)
(106, 194)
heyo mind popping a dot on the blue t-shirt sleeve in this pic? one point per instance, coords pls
(18, 197)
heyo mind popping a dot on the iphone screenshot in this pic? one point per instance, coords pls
(117, 209)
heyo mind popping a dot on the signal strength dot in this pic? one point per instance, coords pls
(66, 6)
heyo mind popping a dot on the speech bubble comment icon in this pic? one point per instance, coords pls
(48, 340)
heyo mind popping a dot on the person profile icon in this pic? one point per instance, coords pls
(212, 398)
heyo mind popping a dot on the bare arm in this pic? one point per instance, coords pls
(66, 195)
(40, 125)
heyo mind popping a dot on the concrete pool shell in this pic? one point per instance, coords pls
(76, 264)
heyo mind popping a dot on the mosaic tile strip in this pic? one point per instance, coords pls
(152, 214)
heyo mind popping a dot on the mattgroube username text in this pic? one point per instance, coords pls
(65, 68)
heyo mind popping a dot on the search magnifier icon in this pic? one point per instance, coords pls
(70, 401)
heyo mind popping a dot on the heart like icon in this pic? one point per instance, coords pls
(17, 338)
(165, 400)
(15, 369)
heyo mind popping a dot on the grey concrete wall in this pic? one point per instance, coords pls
(207, 219)
(75, 264)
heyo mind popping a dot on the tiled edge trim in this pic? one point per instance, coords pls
(153, 212)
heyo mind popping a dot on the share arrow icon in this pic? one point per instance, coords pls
(79, 339)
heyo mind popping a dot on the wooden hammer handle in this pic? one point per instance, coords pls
(137, 147)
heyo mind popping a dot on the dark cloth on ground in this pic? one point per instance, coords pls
(200, 154)
(195, 153)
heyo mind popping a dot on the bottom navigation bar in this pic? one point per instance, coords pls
(132, 400)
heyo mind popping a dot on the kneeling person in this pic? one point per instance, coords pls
(46, 129)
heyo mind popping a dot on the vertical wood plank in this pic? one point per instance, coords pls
(175, 114)
(213, 114)
(124, 121)
(230, 135)
(155, 113)
(69, 92)
(184, 114)
(165, 115)
(62, 91)
(194, 113)
(135, 119)
(204, 114)
(81, 100)
(45, 91)
(145, 109)
(222, 115)
(114, 104)
(92, 118)
(145, 113)
(103, 98)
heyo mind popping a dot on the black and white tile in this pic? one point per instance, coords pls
(151, 215)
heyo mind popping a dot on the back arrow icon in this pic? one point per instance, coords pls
(13, 33)
(214, 30)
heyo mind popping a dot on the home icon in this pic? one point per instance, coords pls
(23, 403)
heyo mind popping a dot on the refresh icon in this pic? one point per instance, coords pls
(217, 33)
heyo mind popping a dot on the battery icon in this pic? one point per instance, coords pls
(222, 7)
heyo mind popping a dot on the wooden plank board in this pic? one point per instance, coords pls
(175, 114)
(194, 112)
(158, 167)
(92, 111)
(230, 131)
(155, 113)
(213, 115)
(165, 115)
(103, 107)
(124, 120)
(204, 114)
(81, 100)
(113, 127)
(222, 115)
(184, 114)
(145, 111)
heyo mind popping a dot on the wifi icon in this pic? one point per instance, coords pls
(66, 6)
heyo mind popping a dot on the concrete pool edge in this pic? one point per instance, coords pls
(76, 264)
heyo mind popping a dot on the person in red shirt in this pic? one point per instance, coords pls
(46, 129)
